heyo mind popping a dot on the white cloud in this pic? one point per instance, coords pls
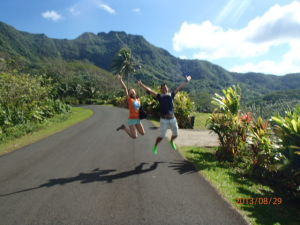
(74, 11)
(52, 15)
(213, 42)
(290, 63)
(137, 10)
(107, 8)
(279, 25)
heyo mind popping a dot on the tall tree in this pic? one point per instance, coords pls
(124, 63)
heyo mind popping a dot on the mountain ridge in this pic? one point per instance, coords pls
(158, 65)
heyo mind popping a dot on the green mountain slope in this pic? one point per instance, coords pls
(158, 65)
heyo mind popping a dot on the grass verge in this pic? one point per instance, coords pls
(233, 185)
(200, 120)
(49, 127)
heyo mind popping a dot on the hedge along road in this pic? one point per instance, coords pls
(91, 174)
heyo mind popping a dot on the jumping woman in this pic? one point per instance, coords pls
(134, 105)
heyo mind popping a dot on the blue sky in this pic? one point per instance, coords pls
(239, 35)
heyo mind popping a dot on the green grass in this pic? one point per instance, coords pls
(200, 120)
(51, 126)
(232, 184)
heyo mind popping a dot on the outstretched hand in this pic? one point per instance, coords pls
(188, 78)
(183, 84)
(119, 77)
(139, 82)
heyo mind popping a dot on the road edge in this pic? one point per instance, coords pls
(45, 132)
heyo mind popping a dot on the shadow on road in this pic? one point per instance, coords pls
(183, 167)
(153, 128)
(96, 175)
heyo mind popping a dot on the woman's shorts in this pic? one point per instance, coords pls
(166, 124)
(132, 122)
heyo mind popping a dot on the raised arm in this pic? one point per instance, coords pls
(147, 88)
(182, 85)
(123, 84)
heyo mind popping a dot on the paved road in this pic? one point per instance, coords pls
(91, 174)
(189, 137)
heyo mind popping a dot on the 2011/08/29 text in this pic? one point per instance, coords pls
(260, 201)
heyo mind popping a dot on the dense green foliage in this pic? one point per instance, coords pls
(270, 152)
(263, 147)
(74, 82)
(274, 102)
(288, 129)
(24, 101)
(183, 108)
(226, 123)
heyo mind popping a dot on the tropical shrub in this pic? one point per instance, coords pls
(230, 102)
(288, 129)
(266, 151)
(119, 101)
(264, 148)
(229, 124)
(150, 105)
(183, 107)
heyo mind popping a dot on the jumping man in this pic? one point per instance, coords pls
(167, 117)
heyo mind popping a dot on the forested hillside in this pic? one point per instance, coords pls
(88, 59)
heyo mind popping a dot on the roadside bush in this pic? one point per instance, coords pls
(150, 105)
(260, 149)
(288, 129)
(120, 102)
(229, 124)
(183, 107)
(25, 99)
(264, 148)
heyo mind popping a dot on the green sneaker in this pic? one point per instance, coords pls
(173, 145)
(154, 150)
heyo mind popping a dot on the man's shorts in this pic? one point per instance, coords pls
(133, 122)
(166, 124)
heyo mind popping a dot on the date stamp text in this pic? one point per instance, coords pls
(259, 201)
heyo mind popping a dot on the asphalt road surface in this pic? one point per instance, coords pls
(91, 174)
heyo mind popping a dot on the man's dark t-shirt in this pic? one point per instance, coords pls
(166, 103)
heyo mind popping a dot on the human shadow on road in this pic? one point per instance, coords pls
(153, 128)
(183, 167)
(96, 175)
